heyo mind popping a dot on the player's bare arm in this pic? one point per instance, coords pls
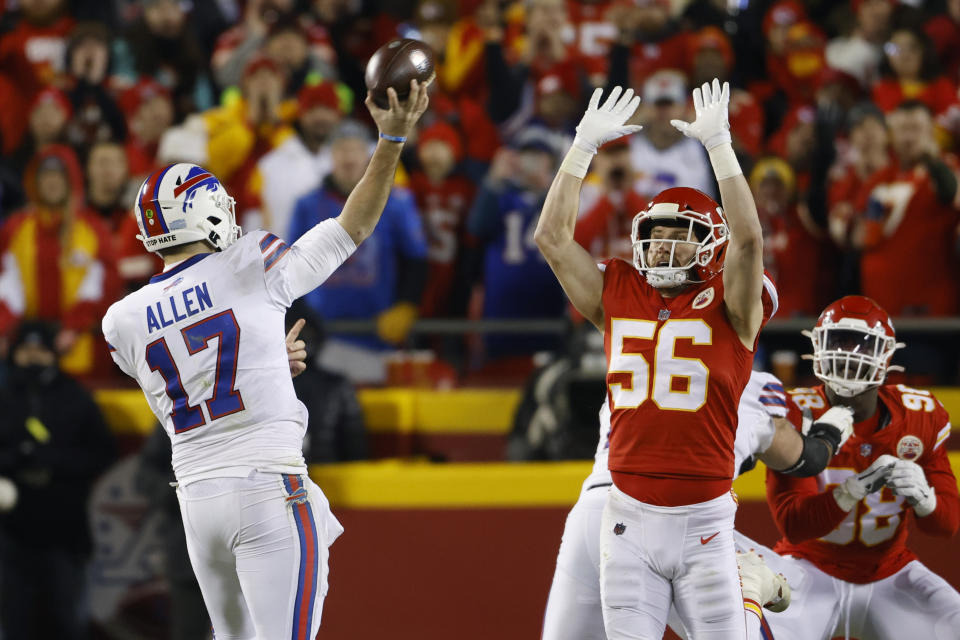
(807, 453)
(574, 267)
(743, 273)
(363, 208)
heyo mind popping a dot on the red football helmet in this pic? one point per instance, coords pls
(853, 343)
(701, 216)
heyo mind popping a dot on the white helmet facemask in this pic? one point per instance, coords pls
(850, 357)
(657, 258)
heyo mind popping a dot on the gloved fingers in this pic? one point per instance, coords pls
(611, 100)
(698, 100)
(595, 99)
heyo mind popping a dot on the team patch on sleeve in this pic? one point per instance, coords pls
(943, 435)
(272, 249)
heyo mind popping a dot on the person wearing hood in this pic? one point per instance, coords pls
(56, 261)
(53, 445)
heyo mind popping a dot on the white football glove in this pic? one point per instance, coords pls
(907, 479)
(835, 425)
(760, 584)
(712, 124)
(602, 124)
(871, 479)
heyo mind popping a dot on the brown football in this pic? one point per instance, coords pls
(395, 64)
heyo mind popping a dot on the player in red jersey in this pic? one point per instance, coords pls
(845, 530)
(679, 343)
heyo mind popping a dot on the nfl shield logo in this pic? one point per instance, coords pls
(865, 450)
(619, 528)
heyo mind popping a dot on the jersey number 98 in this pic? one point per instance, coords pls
(667, 366)
(225, 399)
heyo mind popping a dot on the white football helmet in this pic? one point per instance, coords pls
(185, 203)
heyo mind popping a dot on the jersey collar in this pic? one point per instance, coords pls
(189, 262)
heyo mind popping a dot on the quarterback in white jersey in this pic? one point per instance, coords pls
(573, 606)
(205, 341)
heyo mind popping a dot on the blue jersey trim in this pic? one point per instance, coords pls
(189, 262)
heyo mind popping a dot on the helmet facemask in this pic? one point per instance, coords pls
(669, 267)
(850, 357)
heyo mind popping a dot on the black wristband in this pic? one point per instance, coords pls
(826, 432)
(813, 459)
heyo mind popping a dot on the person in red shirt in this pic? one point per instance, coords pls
(907, 226)
(711, 56)
(32, 56)
(679, 343)
(845, 530)
(649, 41)
(443, 197)
(795, 250)
(148, 108)
(909, 72)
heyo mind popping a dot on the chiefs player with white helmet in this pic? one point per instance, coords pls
(845, 530)
(679, 338)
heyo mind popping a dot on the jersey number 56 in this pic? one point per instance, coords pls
(667, 366)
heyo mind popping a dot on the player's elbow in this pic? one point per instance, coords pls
(550, 241)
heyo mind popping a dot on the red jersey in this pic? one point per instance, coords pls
(909, 258)
(444, 209)
(646, 58)
(675, 371)
(938, 94)
(868, 543)
(800, 261)
(593, 32)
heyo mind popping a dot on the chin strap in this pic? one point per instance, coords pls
(666, 279)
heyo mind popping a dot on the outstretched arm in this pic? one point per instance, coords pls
(743, 271)
(574, 267)
(363, 208)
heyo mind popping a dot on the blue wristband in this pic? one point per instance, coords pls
(393, 138)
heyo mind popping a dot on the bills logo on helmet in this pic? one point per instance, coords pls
(909, 448)
(197, 177)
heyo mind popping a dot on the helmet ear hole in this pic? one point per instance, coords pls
(213, 220)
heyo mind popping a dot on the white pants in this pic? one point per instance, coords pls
(573, 607)
(258, 546)
(653, 556)
(912, 603)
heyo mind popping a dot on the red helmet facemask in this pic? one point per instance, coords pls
(853, 343)
(703, 229)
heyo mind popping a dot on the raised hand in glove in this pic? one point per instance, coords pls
(907, 479)
(871, 479)
(835, 427)
(394, 324)
(712, 124)
(602, 124)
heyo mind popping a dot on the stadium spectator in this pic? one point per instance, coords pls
(866, 153)
(57, 259)
(96, 114)
(860, 52)
(109, 193)
(296, 166)
(50, 113)
(289, 44)
(31, 57)
(162, 45)
(660, 155)
(944, 30)
(795, 142)
(605, 227)
(245, 41)
(383, 280)
(909, 71)
(648, 41)
(794, 249)
(53, 445)
(711, 56)
(443, 197)
(149, 111)
(517, 283)
(241, 132)
(544, 84)
(908, 224)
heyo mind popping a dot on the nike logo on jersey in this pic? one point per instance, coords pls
(706, 540)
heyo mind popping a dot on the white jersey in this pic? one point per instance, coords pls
(763, 399)
(682, 163)
(205, 341)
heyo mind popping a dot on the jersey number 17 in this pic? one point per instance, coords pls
(226, 399)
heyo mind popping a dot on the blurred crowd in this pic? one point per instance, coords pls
(844, 114)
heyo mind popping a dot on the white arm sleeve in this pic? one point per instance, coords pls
(292, 271)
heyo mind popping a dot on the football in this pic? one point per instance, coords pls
(395, 64)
